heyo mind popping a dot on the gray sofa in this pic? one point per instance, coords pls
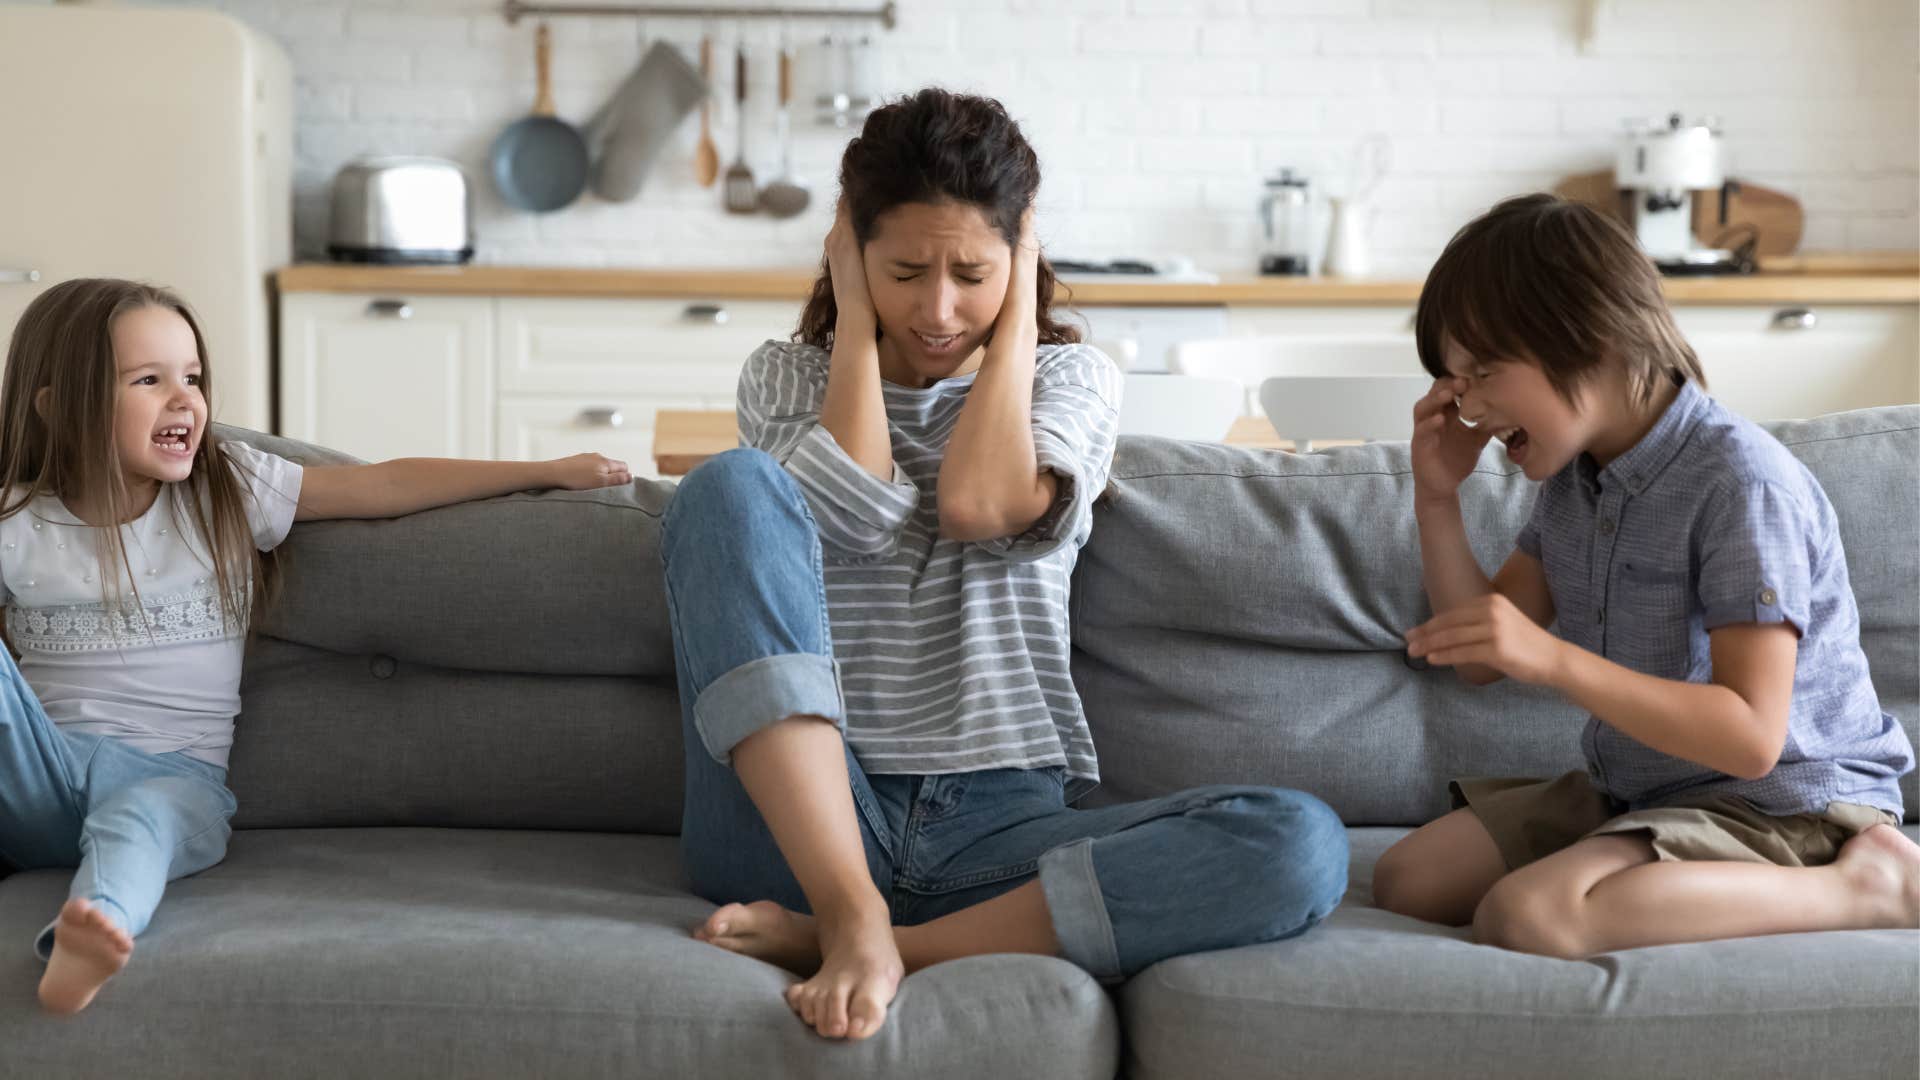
(458, 772)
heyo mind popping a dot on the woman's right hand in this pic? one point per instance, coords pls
(1444, 449)
(851, 299)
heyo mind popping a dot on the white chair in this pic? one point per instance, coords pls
(1179, 406)
(1330, 387)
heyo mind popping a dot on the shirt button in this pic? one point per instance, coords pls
(1606, 526)
(163, 532)
(31, 584)
(151, 571)
(36, 526)
(62, 545)
(88, 579)
(11, 545)
(1768, 597)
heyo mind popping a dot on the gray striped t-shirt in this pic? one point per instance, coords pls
(953, 656)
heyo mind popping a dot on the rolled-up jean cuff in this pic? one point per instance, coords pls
(1080, 921)
(43, 944)
(761, 692)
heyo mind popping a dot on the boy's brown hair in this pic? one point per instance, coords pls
(1539, 278)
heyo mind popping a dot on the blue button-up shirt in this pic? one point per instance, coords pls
(1705, 522)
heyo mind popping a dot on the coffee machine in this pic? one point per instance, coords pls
(1663, 165)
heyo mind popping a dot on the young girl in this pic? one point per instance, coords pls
(129, 561)
(1741, 777)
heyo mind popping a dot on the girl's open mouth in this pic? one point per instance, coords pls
(173, 439)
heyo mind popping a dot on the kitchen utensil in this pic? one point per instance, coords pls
(788, 195)
(742, 197)
(540, 162)
(400, 210)
(1286, 213)
(706, 156)
(649, 106)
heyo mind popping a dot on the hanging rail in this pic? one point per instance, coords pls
(515, 10)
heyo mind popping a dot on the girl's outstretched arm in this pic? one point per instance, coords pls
(405, 485)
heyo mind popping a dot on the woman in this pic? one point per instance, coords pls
(870, 614)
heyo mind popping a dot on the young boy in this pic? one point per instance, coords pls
(1741, 777)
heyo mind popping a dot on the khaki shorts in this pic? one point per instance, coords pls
(1531, 819)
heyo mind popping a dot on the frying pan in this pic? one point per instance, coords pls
(540, 162)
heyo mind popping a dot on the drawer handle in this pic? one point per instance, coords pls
(19, 277)
(602, 417)
(390, 309)
(1797, 318)
(706, 313)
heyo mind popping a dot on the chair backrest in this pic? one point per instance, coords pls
(1180, 406)
(1367, 407)
(1251, 361)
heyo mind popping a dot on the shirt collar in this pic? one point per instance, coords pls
(1636, 468)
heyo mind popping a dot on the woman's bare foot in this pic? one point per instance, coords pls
(87, 951)
(765, 931)
(860, 972)
(1884, 867)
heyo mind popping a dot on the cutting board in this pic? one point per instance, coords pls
(1775, 214)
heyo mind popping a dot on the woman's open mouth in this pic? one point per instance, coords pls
(938, 345)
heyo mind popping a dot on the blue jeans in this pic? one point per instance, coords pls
(128, 820)
(1126, 886)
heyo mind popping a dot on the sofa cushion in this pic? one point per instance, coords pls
(1371, 994)
(430, 953)
(1237, 618)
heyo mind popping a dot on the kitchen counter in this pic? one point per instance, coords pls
(1841, 278)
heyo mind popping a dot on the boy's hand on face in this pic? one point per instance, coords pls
(1490, 630)
(1444, 449)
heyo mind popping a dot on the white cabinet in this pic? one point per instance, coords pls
(384, 376)
(1770, 363)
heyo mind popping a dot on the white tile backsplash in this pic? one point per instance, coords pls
(1155, 119)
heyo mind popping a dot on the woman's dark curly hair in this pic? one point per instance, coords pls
(937, 147)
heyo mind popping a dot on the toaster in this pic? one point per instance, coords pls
(401, 210)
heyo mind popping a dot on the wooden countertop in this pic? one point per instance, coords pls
(683, 438)
(1841, 278)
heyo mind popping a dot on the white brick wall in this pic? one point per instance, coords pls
(1155, 119)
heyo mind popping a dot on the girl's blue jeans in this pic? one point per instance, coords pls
(128, 820)
(1126, 886)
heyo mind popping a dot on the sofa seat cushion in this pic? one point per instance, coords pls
(1372, 994)
(428, 952)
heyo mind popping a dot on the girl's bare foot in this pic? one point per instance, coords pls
(1884, 867)
(87, 951)
(765, 931)
(860, 972)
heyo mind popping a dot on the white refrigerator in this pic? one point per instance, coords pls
(153, 144)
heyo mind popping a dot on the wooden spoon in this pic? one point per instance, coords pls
(706, 156)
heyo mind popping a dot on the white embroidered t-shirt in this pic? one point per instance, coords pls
(159, 666)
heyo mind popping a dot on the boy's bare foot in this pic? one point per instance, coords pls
(1884, 867)
(87, 951)
(765, 931)
(860, 972)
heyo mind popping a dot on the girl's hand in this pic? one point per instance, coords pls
(1490, 630)
(1444, 449)
(583, 471)
(849, 275)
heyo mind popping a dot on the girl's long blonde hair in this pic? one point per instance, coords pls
(63, 344)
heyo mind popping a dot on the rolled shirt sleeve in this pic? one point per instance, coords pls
(1754, 559)
(858, 514)
(1076, 421)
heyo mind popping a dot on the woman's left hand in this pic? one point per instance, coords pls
(1019, 310)
(1492, 631)
(583, 471)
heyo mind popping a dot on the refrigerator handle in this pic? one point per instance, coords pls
(19, 277)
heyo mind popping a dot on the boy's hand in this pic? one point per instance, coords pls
(1444, 449)
(1490, 630)
(583, 471)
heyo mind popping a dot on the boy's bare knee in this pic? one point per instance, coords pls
(1517, 916)
(1407, 885)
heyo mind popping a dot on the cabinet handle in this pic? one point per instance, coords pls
(390, 309)
(602, 417)
(706, 313)
(18, 277)
(1797, 318)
